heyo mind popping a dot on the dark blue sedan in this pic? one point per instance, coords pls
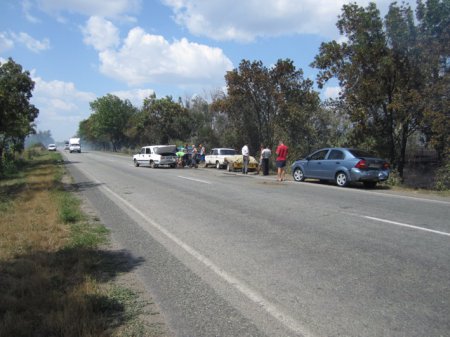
(343, 166)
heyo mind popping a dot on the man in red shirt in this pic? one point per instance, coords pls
(282, 152)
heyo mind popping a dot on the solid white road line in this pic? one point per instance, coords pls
(282, 317)
(404, 225)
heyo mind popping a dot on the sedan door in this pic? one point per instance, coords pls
(314, 167)
(334, 160)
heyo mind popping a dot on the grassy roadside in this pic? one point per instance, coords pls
(57, 275)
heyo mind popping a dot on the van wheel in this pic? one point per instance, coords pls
(136, 164)
(152, 164)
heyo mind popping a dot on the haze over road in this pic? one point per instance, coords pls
(232, 255)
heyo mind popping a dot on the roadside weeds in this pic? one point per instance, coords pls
(59, 272)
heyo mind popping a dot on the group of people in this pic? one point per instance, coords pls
(265, 154)
(190, 156)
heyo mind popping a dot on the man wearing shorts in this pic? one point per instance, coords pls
(282, 152)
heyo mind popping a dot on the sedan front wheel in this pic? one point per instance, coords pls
(298, 174)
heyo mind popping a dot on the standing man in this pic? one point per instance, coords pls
(265, 155)
(282, 152)
(245, 159)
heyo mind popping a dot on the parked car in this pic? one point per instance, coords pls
(236, 163)
(343, 166)
(51, 147)
(216, 157)
(156, 156)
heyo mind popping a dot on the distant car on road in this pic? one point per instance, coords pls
(51, 147)
(343, 166)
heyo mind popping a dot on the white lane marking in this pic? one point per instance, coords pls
(403, 224)
(284, 318)
(197, 180)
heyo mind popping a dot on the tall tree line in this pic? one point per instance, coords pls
(393, 74)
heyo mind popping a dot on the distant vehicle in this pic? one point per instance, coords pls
(74, 145)
(51, 147)
(156, 156)
(216, 157)
(343, 166)
(66, 145)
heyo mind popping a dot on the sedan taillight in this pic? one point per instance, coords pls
(362, 164)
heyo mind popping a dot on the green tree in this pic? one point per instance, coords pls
(110, 120)
(16, 113)
(163, 121)
(264, 104)
(381, 71)
(434, 44)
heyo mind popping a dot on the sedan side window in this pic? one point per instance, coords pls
(336, 154)
(320, 155)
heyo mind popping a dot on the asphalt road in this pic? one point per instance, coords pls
(232, 255)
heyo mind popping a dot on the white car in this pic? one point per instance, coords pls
(156, 156)
(217, 157)
(51, 147)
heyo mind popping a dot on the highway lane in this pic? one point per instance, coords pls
(234, 255)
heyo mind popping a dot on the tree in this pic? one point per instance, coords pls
(434, 44)
(16, 113)
(381, 71)
(163, 120)
(110, 119)
(264, 104)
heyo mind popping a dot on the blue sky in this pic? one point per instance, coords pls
(79, 50)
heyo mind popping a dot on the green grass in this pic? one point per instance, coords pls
(57, 278)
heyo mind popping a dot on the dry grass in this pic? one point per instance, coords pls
(54, 278)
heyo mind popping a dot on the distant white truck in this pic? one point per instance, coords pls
(74, 145)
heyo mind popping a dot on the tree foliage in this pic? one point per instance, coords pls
(16, 113)
(110, 120)
(265, 104)
(382, 69)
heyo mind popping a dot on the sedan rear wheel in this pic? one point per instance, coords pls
(230, 167)
(341, 179)
(217, 165)
(298, 174)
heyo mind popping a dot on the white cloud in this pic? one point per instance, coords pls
(103, 8)
(31, 43)
(61, 106)
(145, 58)
(100, 33)
(246, 20)
(135, 96)
(5, 42)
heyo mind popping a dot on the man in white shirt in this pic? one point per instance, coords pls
(265, 154)
(245, 159)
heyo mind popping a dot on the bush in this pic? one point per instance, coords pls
(442, 179)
